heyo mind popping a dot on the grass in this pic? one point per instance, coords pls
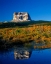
(25, 32)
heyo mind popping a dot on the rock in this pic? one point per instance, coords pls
(21, 16)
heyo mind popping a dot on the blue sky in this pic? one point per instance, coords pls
(38, 9)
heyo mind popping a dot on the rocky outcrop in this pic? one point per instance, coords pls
(21, 16)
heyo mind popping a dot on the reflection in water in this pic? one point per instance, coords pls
(25, 55)
(22, 53)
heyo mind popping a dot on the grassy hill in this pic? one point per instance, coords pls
(25, 32)
(25, 23)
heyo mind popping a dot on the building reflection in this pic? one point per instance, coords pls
(21, 53)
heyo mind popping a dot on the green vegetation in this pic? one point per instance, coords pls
(23, 24)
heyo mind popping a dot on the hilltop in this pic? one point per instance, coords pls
(21, 17)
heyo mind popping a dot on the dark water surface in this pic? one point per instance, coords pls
(23, 55)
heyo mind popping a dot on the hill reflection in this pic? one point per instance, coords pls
(19, 52)
(22, 53)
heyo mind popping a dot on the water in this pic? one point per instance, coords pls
(24, 55)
